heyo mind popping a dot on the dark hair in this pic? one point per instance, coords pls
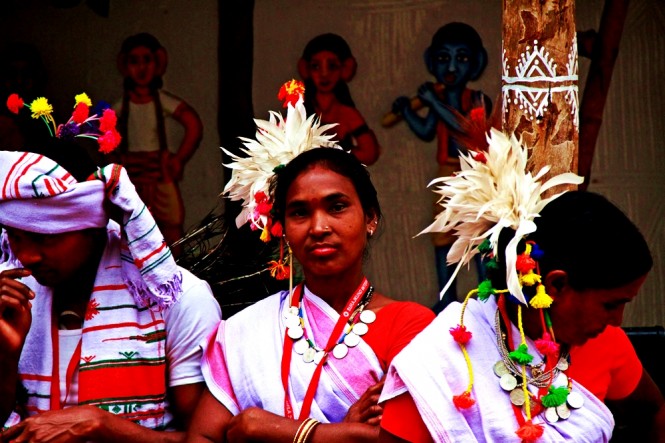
(140, 39)
(337, 160)
(591, 239)
(457, 32)
(338, 46)
(72, 156)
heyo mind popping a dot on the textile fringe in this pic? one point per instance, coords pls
(163, 295)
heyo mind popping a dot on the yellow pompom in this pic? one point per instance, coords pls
(82, 98)
(530, 279)
(541, 300)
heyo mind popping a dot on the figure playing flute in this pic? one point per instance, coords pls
(455, 57)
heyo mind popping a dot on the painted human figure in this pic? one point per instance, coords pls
(152, 166)
(326, 66)
(455, 56)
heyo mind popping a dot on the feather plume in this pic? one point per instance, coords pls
(278, 141)
(493, 191)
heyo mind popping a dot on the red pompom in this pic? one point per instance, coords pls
(108, 120)
(460, 334)
(525, 263)
(463, 401)
(109, 141)
(547, 346)
(529, 432)
(14, 103)
(276, 229)
(81, 113)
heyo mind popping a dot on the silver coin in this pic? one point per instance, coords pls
(367, 316)
(500, 368)
(300, 346)
(508, 382)
(308, 355)
(340, 351)
(351, 339)
(295, 332)
(562, 365)
(561, 380)
(562, 411)
(551, 415)
(575, 400)
(360, 328)
(318, 356)
(292, 321)
(291, 311)
(517, 396)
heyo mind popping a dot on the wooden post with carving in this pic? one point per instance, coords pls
(539, 81)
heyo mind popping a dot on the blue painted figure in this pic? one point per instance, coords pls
(455, 57)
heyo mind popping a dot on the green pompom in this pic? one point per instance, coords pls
(485, 289)
(492, 264)
(555, 397)
(485, 246)
(278, 167)
(521, 355)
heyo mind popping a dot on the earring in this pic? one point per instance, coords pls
(370, 232)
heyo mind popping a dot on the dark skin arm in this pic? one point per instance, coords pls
(212, 422)
(643, 410)
(86, 423)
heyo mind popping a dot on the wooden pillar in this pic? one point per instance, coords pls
(539, 81)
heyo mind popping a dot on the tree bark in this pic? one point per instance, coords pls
(540, 81)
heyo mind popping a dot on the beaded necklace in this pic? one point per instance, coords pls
(555, 394)
(356, 327)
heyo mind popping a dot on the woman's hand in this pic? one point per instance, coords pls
(367, 409)
(15, 311)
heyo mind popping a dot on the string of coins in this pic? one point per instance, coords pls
(356, 327)
(509, 372)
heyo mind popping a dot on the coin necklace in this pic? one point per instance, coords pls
(509, 372)
(356, 327)
(346, 324)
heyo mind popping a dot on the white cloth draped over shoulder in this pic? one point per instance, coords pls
(242, 362)
(432, 369)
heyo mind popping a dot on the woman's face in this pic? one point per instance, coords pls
(325, 69)
(141, 65)
(578, 316)
(325, 224)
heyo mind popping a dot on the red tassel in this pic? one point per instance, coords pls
(460, 334)
(463, 401)
(530, 432)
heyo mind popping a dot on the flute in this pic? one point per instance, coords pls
(391, 118)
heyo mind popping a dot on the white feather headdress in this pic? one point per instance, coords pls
(493, 191)
(278, 141)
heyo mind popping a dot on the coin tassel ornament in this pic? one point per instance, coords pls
(493, 191)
